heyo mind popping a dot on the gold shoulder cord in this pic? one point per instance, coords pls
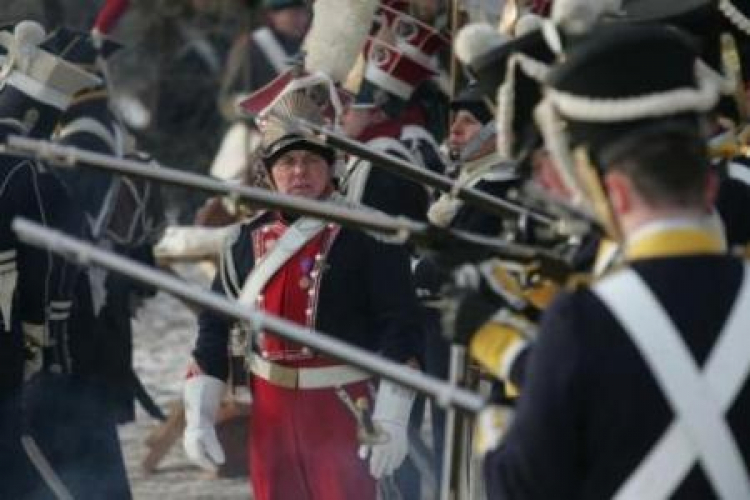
(89, 95)
(595, 192)
(737, 144)
(743, 139)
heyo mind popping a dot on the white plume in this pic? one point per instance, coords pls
(577, 16)
(475, 40)
(29, 33)
(338, 33)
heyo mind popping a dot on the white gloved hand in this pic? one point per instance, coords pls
(202, 396)
(391, 416)
(491, 425)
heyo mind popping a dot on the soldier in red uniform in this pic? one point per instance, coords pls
(388, 113)
(303, 442)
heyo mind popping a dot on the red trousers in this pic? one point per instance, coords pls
(303, 445)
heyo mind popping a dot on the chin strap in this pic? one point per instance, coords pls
(475, 144)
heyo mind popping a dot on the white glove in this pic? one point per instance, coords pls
(391, 416)
(490, 428)
(202, 396)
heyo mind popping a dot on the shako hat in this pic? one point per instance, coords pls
(389, 73)
(620, 85)
(509, 72)
(78, 47)
(716, 26)
(283, 131)
(623, 80)
(397, 58)
(414, 37)
(471, 98)
(36, 85)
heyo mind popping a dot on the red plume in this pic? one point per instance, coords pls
(109, 15)
(541, 7)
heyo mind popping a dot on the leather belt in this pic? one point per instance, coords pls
(305, 378)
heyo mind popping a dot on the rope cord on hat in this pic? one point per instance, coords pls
(657, 104)
(735, 16)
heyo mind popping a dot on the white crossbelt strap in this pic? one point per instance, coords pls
(273, 51)
(699, 401)
(739, 172)
(417, 133)
(294, 238)
(8, 282)
(358, 170)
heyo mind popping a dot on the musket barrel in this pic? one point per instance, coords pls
(55, 241)
(398, 228)
(66, 155)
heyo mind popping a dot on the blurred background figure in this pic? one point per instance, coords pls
(255, 59)
(185, 45)
(77, 14)
(259, 56)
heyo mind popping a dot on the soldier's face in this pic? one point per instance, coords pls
(463, 129)
(292, 22)
(302, 173)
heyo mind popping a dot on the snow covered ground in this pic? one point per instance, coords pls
(163, 336)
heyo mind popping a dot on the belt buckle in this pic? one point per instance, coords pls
(284, 376)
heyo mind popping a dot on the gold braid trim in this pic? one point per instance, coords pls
(89, 95)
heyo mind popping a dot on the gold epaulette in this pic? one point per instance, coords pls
(506, 280)
(90, 95)
(577, 281)
(737, 145)
(520, 283)
(743, 138)
(542, 293)
(730, 151)
(495, 347)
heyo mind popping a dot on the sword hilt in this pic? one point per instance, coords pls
(368, 433)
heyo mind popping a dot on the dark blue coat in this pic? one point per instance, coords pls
(366, 297)
(590, 409)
